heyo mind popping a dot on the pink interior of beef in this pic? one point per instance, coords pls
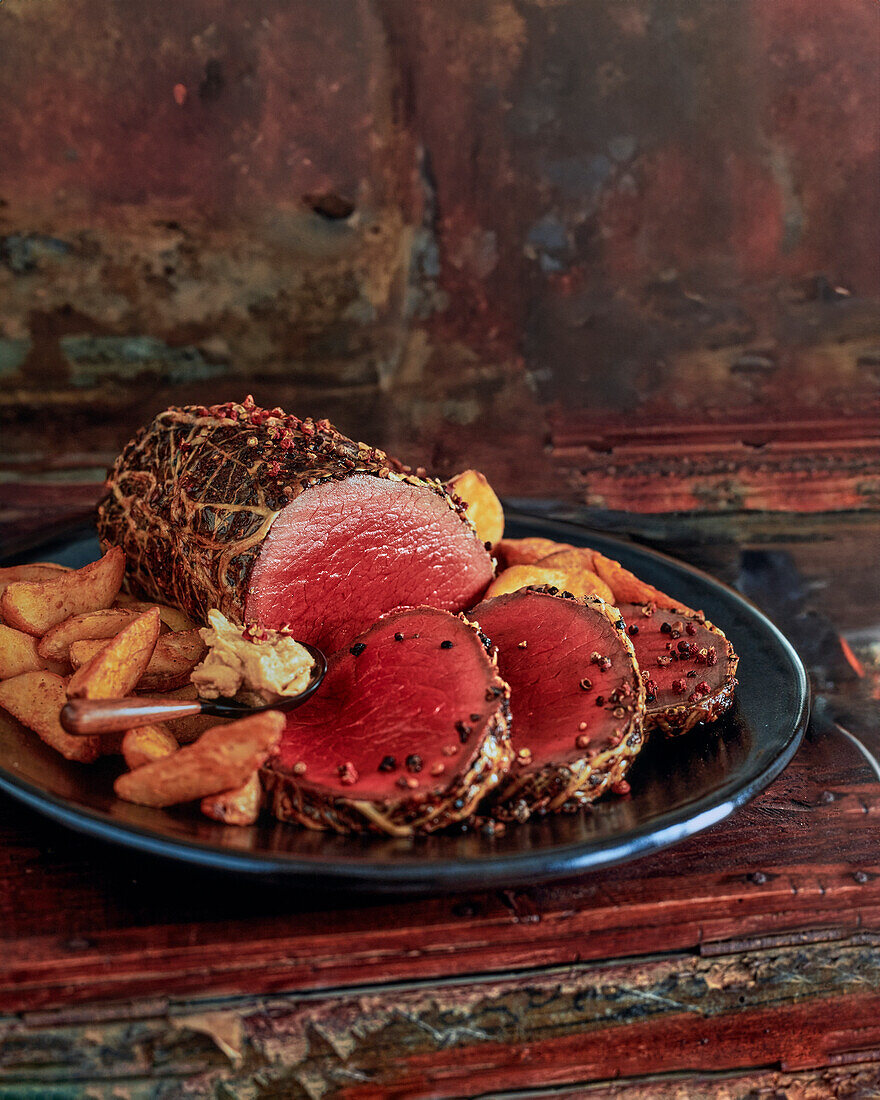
(672, 658)
(402, 715)
(556, 684)
(344, 552)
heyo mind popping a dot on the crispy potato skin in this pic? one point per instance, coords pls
(106, 623)
(116, 668)
(36, 606)
(222, 759)
(19, 653)
(578, 565)
(577, 581)
(172, 617)
(36, 699)
(620, 585)
(483, 506)
(237, 807)
(522, 576)
(37, 571)
(526, 551)
(147, 743)
(173, 659)
(628, 588)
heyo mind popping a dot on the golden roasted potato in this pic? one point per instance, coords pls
(106, 623)
(32, 571)
(222, 759)
(36, 699)
(37, 606)
(526, 551)
(19, 653)
(147, 743)
(172, 617)
(582, 583)
(483, 506)
(577, 565)
(115, 669)
(521, 576)
(628, 588)
(173, 659)
(237, 807)
(35, 571)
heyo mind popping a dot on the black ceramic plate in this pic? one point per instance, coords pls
(678, 787)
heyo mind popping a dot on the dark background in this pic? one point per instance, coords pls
(621, 251)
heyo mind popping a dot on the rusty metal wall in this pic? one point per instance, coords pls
(585, 244)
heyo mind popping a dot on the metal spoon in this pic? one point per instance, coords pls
(93, 717)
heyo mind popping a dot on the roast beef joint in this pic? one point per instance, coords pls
(282, 521)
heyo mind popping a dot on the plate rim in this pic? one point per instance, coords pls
(433, 875)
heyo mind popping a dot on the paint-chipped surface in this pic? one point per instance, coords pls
(463, 230)
(456, 1039)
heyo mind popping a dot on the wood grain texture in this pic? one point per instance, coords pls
(677, 1012)
(857, 1081)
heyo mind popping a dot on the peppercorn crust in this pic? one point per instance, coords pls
(528, 790)
(675, 721)
(193, 496)
(701, 703)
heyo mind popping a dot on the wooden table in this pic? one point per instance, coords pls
(745, 962)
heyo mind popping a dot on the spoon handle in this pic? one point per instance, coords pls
(93, 717)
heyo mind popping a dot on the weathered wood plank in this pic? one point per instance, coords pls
(860, 1080)
(800, 1005)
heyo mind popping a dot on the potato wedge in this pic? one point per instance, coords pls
(521, 576)
(483, 506)
(148, 743)
(19, 653)
(37, 606)
(172, 617)
(223, 758)
(174, 658)
(106, 623)
(577, 565)
(628, 588)
(116, 668)
(34, 571)
(240, 806)
(36, 699)
(526, 551)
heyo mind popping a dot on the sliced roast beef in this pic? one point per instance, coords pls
(407, 733)
(280, 520)
(577, 698)
(687, 664)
